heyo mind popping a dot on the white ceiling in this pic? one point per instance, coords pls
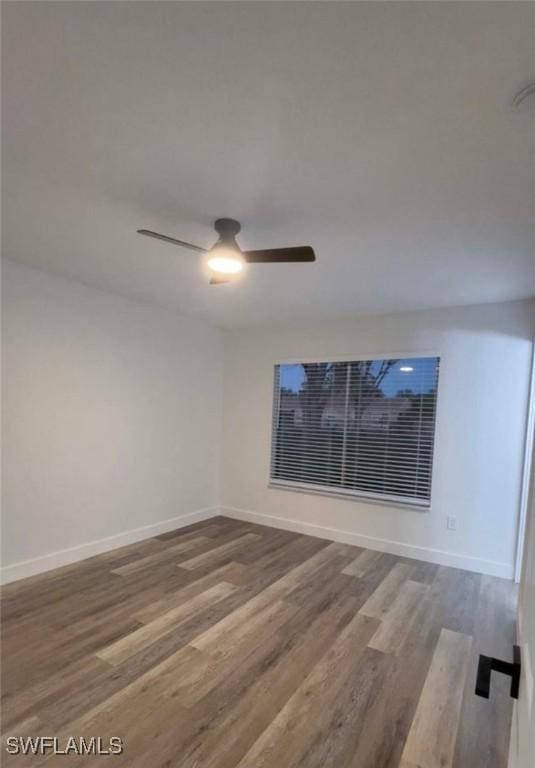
(382, 134)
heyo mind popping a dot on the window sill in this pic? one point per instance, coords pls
(382, 501)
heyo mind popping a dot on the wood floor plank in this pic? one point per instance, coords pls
(150, 690)
(287, 655)
(234, 573)
(431, 740)
(104, 685)
(380, 602)
(362, 563)
(149, 633)
(225, 549)
(270, 542)
(424, 572)
(32, 665)
(397, 620)
(247, 693)
(161, 556)
(20, 705)
(274, 565)
(388, 719)
(218, 522)
(458, 593)
(208, 531)
(306, 729)
(277, 590)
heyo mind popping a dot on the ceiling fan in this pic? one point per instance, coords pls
(226, 260)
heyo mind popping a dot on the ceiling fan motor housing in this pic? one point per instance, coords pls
(227, 229)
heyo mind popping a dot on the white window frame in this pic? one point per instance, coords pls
(388, 500)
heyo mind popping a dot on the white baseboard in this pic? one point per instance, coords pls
(25, 568)
(466, 562)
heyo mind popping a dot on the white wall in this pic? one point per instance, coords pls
(482, 403)
(111, 420)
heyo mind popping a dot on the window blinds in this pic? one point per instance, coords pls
(363, 428)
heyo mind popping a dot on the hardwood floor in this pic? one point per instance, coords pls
(229, 644)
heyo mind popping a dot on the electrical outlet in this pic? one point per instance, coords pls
(451, 523)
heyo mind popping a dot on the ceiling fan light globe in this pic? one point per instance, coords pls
(224, 261)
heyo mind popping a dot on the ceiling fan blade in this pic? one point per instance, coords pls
(167, 239)
(280, 255)
(215, 280)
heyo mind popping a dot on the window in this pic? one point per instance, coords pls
(363, 428)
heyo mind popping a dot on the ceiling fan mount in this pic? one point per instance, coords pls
(227, 227)
(225, 257)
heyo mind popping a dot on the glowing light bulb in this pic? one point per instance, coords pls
(225, 261)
